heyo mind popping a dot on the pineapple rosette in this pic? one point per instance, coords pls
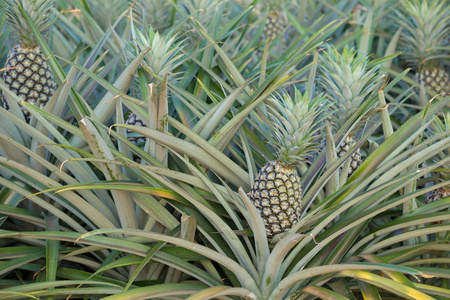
(348, 80)
(277, 191)
(425, 41)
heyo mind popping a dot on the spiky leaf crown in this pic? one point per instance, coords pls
(201, 10)
(270, 5)
(40, 12)
(295, 126)
(164, 55)
(426, 26)
(152, 12)
(347, 80)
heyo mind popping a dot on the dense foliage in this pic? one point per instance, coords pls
(146, 171)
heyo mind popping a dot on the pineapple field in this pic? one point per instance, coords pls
(225, 149)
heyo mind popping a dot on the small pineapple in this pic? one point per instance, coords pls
(426, 26)
(276, 191)
(275, 24)
(439, 194)
(443, 173)
(136, 139)
(162, 59)
(347, 81)
(27, 73)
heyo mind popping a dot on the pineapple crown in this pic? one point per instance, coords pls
(270, 5)
(154, 12)
(347, 79)
(295, 124)
(163, 56)
(40, 12)
(425, 31)
(201, 10)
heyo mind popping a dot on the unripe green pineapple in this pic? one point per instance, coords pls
(426, 26)
(347, 80)
(276, 191)
(27, 73)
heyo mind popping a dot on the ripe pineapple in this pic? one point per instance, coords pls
(27, 73)
(440, 126)
(347, 81)
(425, 36)
(276, 191)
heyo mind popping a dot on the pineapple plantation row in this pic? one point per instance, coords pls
(235, 149)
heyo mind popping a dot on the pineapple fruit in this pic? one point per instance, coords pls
(426, 26)
(276, 191)
(133, 119)
(441, 126)
(135, 138)
(26, 71)
(347, 81)
(439, 193)
(275, 24)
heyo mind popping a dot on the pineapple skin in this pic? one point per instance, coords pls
(133, 137)
(435, 79)
(439, 194)
(356, 158)
(275, 24)
(28, 75)
(277, 193)
(133, 119)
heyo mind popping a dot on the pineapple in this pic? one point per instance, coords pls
(425, 38)
(133, 119)
(440, 126)
(275, 24)
(162, 59)
(137, 139)
(439, 194)
(26, 72)
(276, 191)
(347, 81)
(276, 19)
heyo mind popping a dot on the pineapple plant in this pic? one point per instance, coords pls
(443, 173)
(347, 80)
(425, 41)
(26, 71)
(276, 191)
(162, 59)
